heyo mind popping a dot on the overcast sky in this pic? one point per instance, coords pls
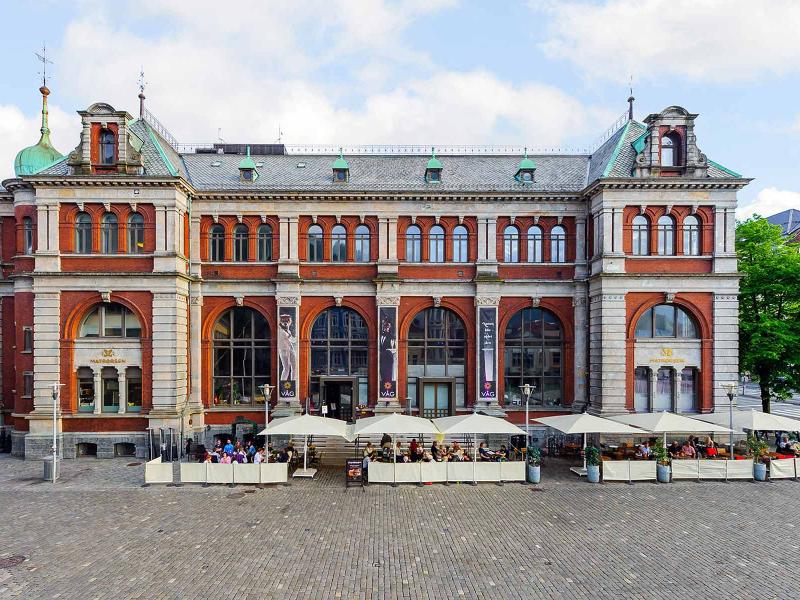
(541, 73)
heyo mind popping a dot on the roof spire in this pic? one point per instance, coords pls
(630, 100)
(141, 93)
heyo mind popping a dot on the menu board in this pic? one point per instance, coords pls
(354, 474)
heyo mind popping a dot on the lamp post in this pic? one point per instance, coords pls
(266, 391)
(730, 390)
(527, 390)
(55, 428)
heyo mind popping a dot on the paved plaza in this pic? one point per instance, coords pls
(98, 534)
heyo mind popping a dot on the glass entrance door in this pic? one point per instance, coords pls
(436, 399)
(338, 397)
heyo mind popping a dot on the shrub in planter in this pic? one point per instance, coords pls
(592, 464)
(757, 450)
(534, 464)
(662, 459)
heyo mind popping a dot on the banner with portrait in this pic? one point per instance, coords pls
(487, 348)
(387, 352)
(287, 352)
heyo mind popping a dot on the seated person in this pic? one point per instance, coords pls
(412, 449)
(674, 449)
(369, 449)
(426, 456)
(711, 447)
(786, 446)
(484, 452)
(386, 440)
(420, 452)
(435, 450)
(645, 450)
(688, 450)
(456, 453)
(400, 455)
(502, 454)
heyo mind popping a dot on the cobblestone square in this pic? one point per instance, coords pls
(98, 534)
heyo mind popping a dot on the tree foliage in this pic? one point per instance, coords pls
(769, 308)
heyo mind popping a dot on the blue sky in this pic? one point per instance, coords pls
(541, 73)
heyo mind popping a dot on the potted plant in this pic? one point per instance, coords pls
(534, 464)
(592, 464)
(757, 449)
(661, 457)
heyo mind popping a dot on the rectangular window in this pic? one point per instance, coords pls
(27, 339)
(641, 393)
(27, 235)
(687, 400)
(27, 385)
(665, 389)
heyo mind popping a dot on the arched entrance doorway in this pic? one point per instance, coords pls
(339, 362)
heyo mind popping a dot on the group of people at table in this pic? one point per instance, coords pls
(692, 447)
(243, 453)
(436, 452)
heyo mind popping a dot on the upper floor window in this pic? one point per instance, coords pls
(83, 233)
(641, 235)
(339, 244)
(109, 233)
(413, 244)
(558, 244)
(511, 244)
(217, 243)
(135, 233)
(670, 150)
(534, 244)
(241, 243)
(436, 244)
(27, 339)
(666, 320)
(264, 250)
(27, 235)
(107, 147)
(691, 235)
(315, 243)
(362, 244)
(460, 245)
(666, 235)
(110, 320)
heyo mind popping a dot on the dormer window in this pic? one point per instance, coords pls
(670, 150)
(247, 169)
(433, 170)
(341, 170)
(525, 169)
(108, 142)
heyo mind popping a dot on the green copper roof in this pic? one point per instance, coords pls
(247, 162)
(35, 158)
(526, 163)
(639, 143)
(340, 163)
(434, 163)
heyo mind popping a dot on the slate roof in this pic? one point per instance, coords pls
(789, 221)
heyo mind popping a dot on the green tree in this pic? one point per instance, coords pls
(769, 308)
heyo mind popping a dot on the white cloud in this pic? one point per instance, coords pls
(768, 202)
(717, 40)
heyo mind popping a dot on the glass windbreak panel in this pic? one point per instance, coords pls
(644, 326)
(113, 320)
(664, 321)
(641, 395)
(664, 390)
(684, 324)
(91, 324)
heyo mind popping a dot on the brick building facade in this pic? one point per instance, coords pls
(161, 285)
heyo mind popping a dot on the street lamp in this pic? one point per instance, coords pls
(527, 390)
(55, 428)
(730, 390)
(266, 391)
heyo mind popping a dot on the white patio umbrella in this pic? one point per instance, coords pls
(754, 420)
(393, 423)
(585, 423)
(306, 425)
(667, 422)
(475, 423)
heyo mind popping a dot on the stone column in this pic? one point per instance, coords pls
(719, 230)
(617, 228)
(486, 349)
(194, 244)
(195, 350)
(161, 220)
(725, 346)
(46, 344)
(491, 239)
(98, 389)
(391, 239)
(388, 400)
(123, 390)
(581, 345)
(607, 352)
(653, 383)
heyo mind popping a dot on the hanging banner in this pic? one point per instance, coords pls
(487, 343)
(387, 352)
(287, 351)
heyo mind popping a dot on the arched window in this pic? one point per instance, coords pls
(510, 244)
(436, 362)
(135, 233)
(315, 252)
(339, 361)
(109, 234)
(533, 354)
(691, 235)
(670, 150)
(27, 235)
(534, 244)
(436, 244)
(110, 320)
(339, 244)
(666, 235)
(107, 147)
(83, 233)
(217, 243)
(241, 243)
(264, 247)
(241, 357)
(558, 244)
(362, 244)
(641, 235)
(666, 320)
(460, 244)
(413, 244)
